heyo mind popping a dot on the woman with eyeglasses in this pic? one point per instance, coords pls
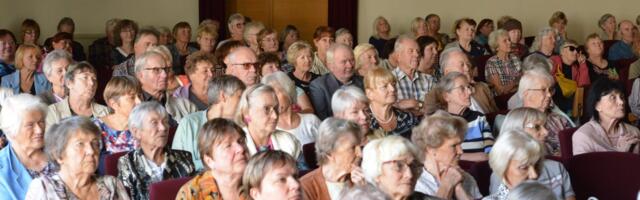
(569, 65)
(453, 95)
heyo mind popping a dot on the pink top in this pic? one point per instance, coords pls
(579, 72)
(591, 137)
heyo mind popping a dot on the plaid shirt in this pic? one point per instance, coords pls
(125, 68)
(414, 88)
(508, 72)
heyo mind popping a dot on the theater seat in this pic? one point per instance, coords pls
(605, 175)
(167, 189)
(309, 152)
(529, 40)
(480, 63)
(502, 101)
(481, 171)
(566, 143)
(111, 163)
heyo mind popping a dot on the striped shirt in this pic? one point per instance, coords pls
(478, 137)
(413, 88)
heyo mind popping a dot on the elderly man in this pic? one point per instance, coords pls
(622, 49)
(235, 23)
(411, 84)
(145, 39)
(100, 49)
(242, 63)
(341, 64)
(151, 70)
(455, 60)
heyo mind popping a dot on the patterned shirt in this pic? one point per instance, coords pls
(507, 71)
(125, 68)
(404, 123)
(201, 187)
(115, 141)
(415, 88)
(52, 187)
(554, 124)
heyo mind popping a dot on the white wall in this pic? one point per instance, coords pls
(534, 14)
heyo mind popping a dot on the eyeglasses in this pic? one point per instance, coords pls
(402, 165)
(550, 90)
(572, 48)
(467, 88)
(159, 70)
(246, 66)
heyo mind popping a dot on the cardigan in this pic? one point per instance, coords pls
(40, 82)
(61, 110)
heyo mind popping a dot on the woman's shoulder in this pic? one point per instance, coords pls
(309, 118)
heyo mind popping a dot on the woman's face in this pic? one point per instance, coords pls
(229, 155)
(611, 106)
(303, 61)
(609, 24)
(31, 131)
(30, 59)
(539, 96)
(269, 68)
(284, 101)
(504, 45)
(264, 112)
(202, 74)
(81, 153)
(421, 30)
(154, 131)
(515, 35)
(383, 93)
(7, 48)
(486, 29)
(253, 36)
(29, 36)
(62, 44)
(383, 26)
(433, 24)
(127, 34)
(430, 53)
(569, 53)
(548, 42)
(278, 183)
(518, 172)
(292, 37)
(356, 114)
(165, 38)
(448, 154)
(347, 153)
(537, 130)
(124, 104)
(270, 43)
(58, 69)
(368, 59)
(460, 95)
(206, 42)
(83, 84)
(183, 35)
(323, 43)
(466, 32)
(396, 179)
(560, 26)
(345, 39)
(595, 46)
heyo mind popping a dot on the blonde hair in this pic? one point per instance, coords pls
(121, 85)
(251, 93)
(361, 49)
(202, 30)
(375, 26)
(22, 50)
(295, 50)
(415, 23)
(378, 76)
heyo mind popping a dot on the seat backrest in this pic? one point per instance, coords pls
(480, 63)
(111, 163)
(309, 152)
(605, 175)
(502, 101)
(566, 143)
(172, 134)
(529, 40)
(607, 45)
(167, 189)
(481, 171)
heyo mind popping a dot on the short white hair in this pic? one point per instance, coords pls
(346, 97)
(140, 113)
(14, 109)
(141, 62)
(398, 45)
(446, 55)
(537, 41)
(331, 51)
(518, 118)
(382, 150)
(282, 81)
(529, 77)
(531, 190)
(54, 56)
(516, 146)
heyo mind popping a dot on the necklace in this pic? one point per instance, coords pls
(379, 118)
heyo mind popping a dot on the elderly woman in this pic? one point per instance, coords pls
(299, 55)
(288, 36)
(366, 57)
(74, 144)
(558, 22)
(598, 66)
(418, 27)
(250, 35)
(570, 69)
(343, 36)
(530, 120)
(544, 42)
(268, 41)
(381, 33)
(152, 161)
(81, 83)
(124, 33)
(303, 125)
(464, 30)
(429, 56)
(259, 118)
(440, 136)
(206, 38)
(23, 159)
(503, 69)
(180, 49)
(26, 79)
(433, 28)
(221, 144)
(164, 38)
(392, 165)
(224, 94)
(525, 161)
(453, 95)
(530, 190)
(121, 94)
(380, 88)
(514, 29)
(350, 103)
(484, 28)
(606, 131)
(271, 175)
(7, 52)
(339, 154)
(54, 68)
(608, 25)
(199, 69)
(323, 37)
(30, 30)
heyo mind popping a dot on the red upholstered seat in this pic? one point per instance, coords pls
(111, 163)
(167, 189)
(605, 175)
(566, 144)
(481, 171)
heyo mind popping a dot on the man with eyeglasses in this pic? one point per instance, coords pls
(235, 23)
(145, 39)
(152, 71)
(340, 62)
(242, 63)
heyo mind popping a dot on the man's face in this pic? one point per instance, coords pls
(241, 63)
(342, 65)
(153, 76)
(408, 55)
(145, 42)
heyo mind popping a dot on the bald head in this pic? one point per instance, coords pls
(241, 63)
(626, 30)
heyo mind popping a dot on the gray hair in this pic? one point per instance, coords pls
(54, 56)
(14, 109)
(447, 83)
(251, 93)
(363, 192)
(345, 97)
(435, 129)
(531, 190)
(144, 32)
(164, 51)
(140, 113)
(536, 61)
(281, 80)
(494, 37)
(227, 84)
(331, 51)
(515, 146)
(603, 19)
(398, 45)
(537, 42)
(141, 62)
(529, 77)
(446, 55)
(111, 23)
(342, 31)
(382, 150)
(234, 17)
(519, 117)
(58, 136)
(249, 26)
(329, 133)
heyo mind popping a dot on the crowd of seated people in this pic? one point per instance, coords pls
(263, 114)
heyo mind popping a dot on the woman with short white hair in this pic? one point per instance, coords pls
(54, 68)
(391, 164)
(343, 36)
(527, 119)
(503, 69)
(350, 103)
(544, 42)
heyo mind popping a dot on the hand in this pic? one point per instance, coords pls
(451, 176)
(581, 58)
(407, 104)
(357, 177)
(625, 142)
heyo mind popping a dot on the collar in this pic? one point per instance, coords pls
(148, 97)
